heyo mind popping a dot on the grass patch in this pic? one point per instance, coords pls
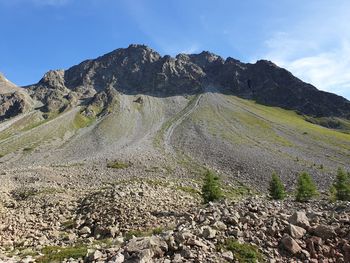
(135, 233)
(188, 189)
(25, 193)
(139, 233)
(28, 149)
(237, 192)
(157, 183)
(244, 253)
(81, 121)
(330, 122)
(58, 254)
(118, 165)
(70, 224)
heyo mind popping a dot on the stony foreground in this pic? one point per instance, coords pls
(152, 221)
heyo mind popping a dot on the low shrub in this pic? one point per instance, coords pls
(244, 253)
(211, 190)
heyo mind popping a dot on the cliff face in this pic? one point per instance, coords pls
(13, 100)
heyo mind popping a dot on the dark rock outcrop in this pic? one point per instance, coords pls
(11, 104)
(13, 100)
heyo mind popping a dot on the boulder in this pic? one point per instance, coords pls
(299, 219)
(324, 231)
(156, 246)
(296, 231)
(290, 244)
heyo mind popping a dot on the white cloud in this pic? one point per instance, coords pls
(328, 70)
(316, 47)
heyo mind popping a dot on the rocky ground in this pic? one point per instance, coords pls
(162, 220)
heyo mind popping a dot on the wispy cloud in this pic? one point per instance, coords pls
(328, 70)
(316, 50)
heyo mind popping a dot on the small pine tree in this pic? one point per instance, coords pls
(211, 190)
(306, 188)
(276, 189)
(341, 186)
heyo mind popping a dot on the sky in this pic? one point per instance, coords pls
(309, 38)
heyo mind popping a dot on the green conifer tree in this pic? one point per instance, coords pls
(306, 188)
(276, 189)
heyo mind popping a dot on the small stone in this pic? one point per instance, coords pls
(220, 225)
(119, 258)
(85, 231)
(228, 255)
(97, 255)
(208, 232)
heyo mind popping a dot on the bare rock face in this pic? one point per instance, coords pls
(11, 105)
(13, 100)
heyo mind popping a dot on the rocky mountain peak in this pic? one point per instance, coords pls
(134, 53)
(139, 69)
(54, 79)
(206, 58)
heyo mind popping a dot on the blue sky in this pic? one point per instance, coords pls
(310, 38)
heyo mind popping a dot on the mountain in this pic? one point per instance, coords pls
(99, 161)
(140, 70)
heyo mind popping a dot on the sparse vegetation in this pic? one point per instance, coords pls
(138, 233)
(81, 120)
(237, 192)
(276, 189)
(22, 194)
(188, 189)
(211, 190)
(118, 165)
(69, 224)
(340, 189)
(58, 254)
(306, 188)
(244, 253)
(28, 149)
